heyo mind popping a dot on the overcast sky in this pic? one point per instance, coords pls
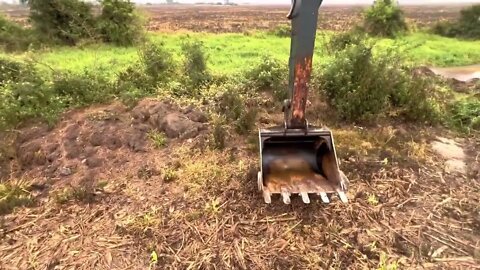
(286, 2)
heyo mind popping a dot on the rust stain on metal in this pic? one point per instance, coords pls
(303, 70)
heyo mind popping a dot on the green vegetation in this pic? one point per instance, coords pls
(385, 18)
(67, 21)
(81, 194)
(14, 195)
(158, 139)
(362, 77)
(119, 23)
(14, 37)
(468, 26)
(465, 114)
(195, 64)
(363, 85)
(72, 22)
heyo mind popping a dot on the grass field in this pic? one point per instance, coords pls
(230, 52)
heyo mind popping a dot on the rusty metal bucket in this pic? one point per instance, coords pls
(296, 161)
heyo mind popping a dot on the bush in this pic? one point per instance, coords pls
(385, 19)
(446, 29)
(465, 114)
(24, 95)
(219, 135)
(82, 89)
(342, 40)
(64, 21)
(119, 23)
(468, 26)
(233, 106)
(246, 121)
(362, 85)
(155, 69)
(13, 71)
(14, 37)
(269, 74)
(195, 65)
(469, 23)
(282, 30)
(157, 62)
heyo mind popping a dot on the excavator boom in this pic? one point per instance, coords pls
(297, 158)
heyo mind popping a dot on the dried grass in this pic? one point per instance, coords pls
(403, 214)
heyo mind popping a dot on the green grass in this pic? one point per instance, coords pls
(230, 53)
(433, 50)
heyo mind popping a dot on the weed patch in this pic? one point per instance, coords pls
(158, 139)
(465, 114)
(14, 195)
(80, 194)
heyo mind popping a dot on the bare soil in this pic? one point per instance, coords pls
(106, 198)
(217, 19)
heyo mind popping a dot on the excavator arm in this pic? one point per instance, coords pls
(304, 16)
(296, 157)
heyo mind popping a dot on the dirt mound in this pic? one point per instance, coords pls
(91, 142)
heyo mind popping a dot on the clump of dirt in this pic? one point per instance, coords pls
(92, 142)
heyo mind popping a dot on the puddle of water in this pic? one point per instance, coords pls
(464, 74)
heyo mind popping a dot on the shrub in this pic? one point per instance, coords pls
(385, 18)
(468, 26)
(231, 104)
(195, 65)
(12, 71)
(469, 23)
(155, 69)
(64, 21)
(157, 62)
(14, 37)
(419, 99)
(358, 84)
(446, 29)
(282, 30)
(269, 74)
(362, 85)
(342, 40)
(465, 114)
(246, 121)
(219, 135)
(119, 23)
(24, 95)
(82, 89)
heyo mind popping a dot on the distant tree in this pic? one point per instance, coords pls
(119, 23)
(65, 21)
(468, 26)
(385, 18)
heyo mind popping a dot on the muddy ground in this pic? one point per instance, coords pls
(106, 195)
(217, 19)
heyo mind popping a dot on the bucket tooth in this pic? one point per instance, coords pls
(286, 197)
(305, 197)
(324, 197)
(343, 196)
(267, 197)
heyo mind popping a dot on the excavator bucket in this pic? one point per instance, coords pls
(299, 162)
(297, 158)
